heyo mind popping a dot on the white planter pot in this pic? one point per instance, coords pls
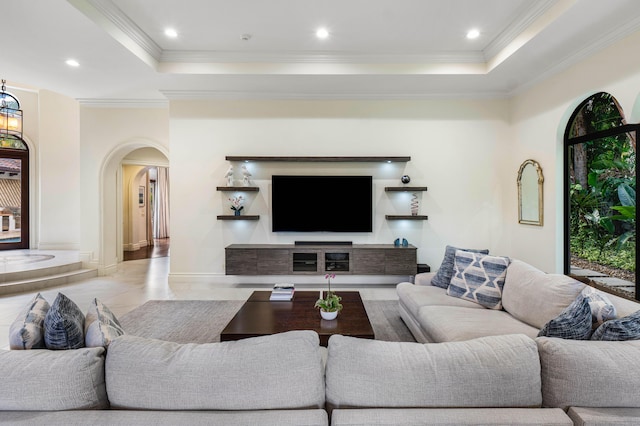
(328, 315)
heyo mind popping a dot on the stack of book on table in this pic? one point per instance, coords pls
(282, 292)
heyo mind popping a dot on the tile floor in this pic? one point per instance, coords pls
(138, 281)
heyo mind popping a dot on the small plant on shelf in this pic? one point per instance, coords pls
(236, 204)
(330, 302)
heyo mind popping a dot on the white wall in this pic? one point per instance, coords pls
(538, 119)
(59, 164)
(456, 146)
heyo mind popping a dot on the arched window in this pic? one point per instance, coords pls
(600, 186)
(14, 176)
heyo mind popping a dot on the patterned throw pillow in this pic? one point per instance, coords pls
(479, 278)
(627, 328)
(601, 307)
(27, 331)
(574, 322)
(64, 325)
(442, 278)
(100, 325)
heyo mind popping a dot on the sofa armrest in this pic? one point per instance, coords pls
(424, 278)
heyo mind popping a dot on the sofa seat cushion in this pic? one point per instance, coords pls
(316, 417)
(281, 371)
(496, 371)
(586, 373)
(535, 297)
(450, 416)
(414, 297)
(452, 323)
(586, 416)
(52, 380)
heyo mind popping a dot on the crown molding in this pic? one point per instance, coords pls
(279, 95)
(530, 13)
(613, 36)
(124, 103)
(325, 57)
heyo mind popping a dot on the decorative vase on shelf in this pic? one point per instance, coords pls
(415, 204)
(329, 316)
(236, 212)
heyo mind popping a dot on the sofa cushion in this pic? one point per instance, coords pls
(27, 331)
(450, 416)
(573, 323)
(627, 328)
(586, 416)
(601, 307)
(479, 278)
(64, 325)
(415, 296)
(535, 297)
(496, 371)
(282, 371)
(451, 323)
(442, 278)
(313, 417)
(585, 373)
(41, 380)
(100, 326)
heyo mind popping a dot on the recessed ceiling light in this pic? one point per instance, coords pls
(72, 63)
(171, 33)
(473, 34)
(322, 33)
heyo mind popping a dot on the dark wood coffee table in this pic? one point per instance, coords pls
(259, 317)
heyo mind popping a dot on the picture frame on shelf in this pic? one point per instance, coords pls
(141, 196)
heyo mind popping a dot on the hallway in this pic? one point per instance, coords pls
(160, 248)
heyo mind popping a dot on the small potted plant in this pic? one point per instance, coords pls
(236, 204)
(329, 304)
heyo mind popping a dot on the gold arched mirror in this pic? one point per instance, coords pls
(530, 205)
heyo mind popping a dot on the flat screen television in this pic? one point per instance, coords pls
(321, 203)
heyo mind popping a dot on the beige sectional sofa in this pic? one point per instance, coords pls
(288, 379)
(530, 298)
(595, 382)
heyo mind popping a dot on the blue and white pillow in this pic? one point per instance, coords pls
(100, 325)
(64, 325)
(27, 331)
(601, 307)
(443, 277)
(479, 278)
(574, 322)
(627, 328)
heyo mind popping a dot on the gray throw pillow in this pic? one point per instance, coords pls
(100, 325)
(627, 328)
(574, 322)
(64, 325)
(479, 278)
(442, 278)
(27, 331)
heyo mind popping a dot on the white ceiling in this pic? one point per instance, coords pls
(376, 48)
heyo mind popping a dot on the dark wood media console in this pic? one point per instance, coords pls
(291, 259)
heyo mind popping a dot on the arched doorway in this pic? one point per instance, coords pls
(599, 185)
(112, 197)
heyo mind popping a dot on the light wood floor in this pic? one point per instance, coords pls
(138, 281)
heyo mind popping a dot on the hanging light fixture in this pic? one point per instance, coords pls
(10, 118)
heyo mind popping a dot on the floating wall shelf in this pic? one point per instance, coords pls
(321, 159)
(405, 217)
(238, 188)
(404, 188)
(232, 217)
